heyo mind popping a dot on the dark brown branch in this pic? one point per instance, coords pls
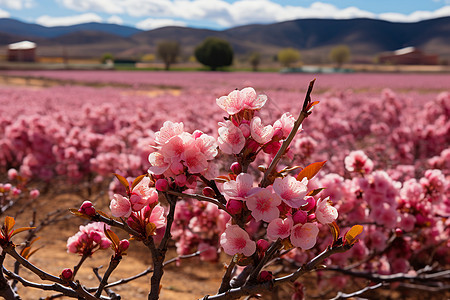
(266, 181)
(200, 198)
(6, 290)
(255, 288)
(341, 295)
(225, 285)
(115, 260)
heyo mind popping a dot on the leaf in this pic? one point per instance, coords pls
(102, 214)
(310, 171)
(150, 229)
(352, 233)
(33, 252)
(123, 181)
(9, 223)
(75, 212)
(136, 181)
(25, 251)
(315, 192)
(311, 105)
(222, 179)
(22, 229)
(34, 240)
(112, 237)
(334, 230)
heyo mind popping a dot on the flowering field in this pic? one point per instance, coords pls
(385, 139)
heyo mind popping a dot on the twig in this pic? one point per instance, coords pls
(115, 260)
(225, 285)
(254, 288)
(6, 291)
(341, 295)
(200, 198)
(301, 117)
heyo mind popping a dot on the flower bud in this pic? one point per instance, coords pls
(245, 128)
(16, 191)
(265, 276)
(311, 217)
(7, 187)
(87, 208)
(236, 168)
(66, 274)
(252, 146)
(234, 206)
(162, 185)
(300, 217)
(398, 232)
(34, 194)
(124, 245)
(310, 203)
(12, 174)
(180, 180)
(208, 192)
(262, 245)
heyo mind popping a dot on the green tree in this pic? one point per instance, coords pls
(255, 60)
(340, 54)
(168, 51)
(288, 56)
(107, 57)
(214, 52)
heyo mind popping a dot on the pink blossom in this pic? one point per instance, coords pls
(34, 194)
(157, 216)
(230, 140)
(241, 188)
(263, 205)
(325, 213)
(279, 228)
(89, 239)
(235, 240)
(158, 162)
(357, 161)
(120, 206)
(239, 100)
(195, 161)
(304, 236)
(12, 174)
(207, 145)
(285, 124)
(291, 190)
(260, 133)
(168, 131)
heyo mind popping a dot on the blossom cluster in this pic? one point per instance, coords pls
(89, 239)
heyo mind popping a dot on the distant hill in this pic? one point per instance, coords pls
(16, 27)
(313, 37)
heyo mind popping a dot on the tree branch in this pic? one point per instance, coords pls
(266, 181)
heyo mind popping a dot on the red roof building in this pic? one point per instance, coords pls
(24, 51)
(409, 56)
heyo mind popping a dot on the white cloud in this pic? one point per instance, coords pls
(107, 6)
(4, 14)
(236, 13)
(417, 15)
(115, 20)
(69, 20)
(150, 23)
(17, 4)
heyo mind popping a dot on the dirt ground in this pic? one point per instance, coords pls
(188, 279)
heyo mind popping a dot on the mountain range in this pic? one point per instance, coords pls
(313, 37)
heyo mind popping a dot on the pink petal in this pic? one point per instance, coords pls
(304, 236)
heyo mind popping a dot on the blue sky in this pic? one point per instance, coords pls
(214, 14)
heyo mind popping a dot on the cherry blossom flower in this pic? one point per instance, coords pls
(291, 191)
(158, 163)
(239, 100)
(263, 205)
(230, 140)
(357, 161)
(325, 213)
(89, 239)
(279, 228)
(157, 216)
(260, 133)
(120, 206)
(285, 124)
(304, 236)
(236, 240)
(168, 131)
(241, 188)
(195, 161)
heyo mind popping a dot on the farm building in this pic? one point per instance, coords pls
(408, 56)
(22, 51)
